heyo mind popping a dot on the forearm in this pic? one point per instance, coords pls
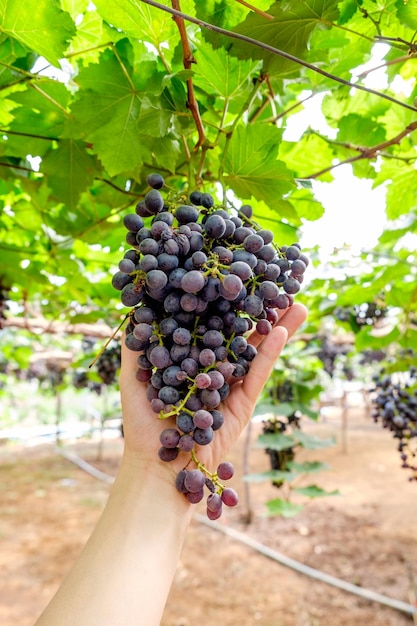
(124, 574)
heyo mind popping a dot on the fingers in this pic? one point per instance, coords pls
(269, 348)
(291, 318)
(262, 365)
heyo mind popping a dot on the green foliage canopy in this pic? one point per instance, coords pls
(95, 97)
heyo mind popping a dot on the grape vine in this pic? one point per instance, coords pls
(199, 277)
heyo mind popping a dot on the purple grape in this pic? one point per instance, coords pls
(153, 201)
(210, 398)
(194, 480)
(179, 481)
(225, 470)
(203, 436)
(186, 443)
(156, 279)
(202, 381)
(185, 422)
(186, 213)
(181, 336)
(148, 262)
(190, 367)
(207, 357)
(298, 267)
(253, 243)
(206, 200)
(217, 379)
(292, 253)
(214, 502)
(212, 339)
(167, 454)
(195, 197)
(253, 305)
(143, 331)
(160, 357)
(193, 281)
(144, 315)
(202, 419)
(169, 438)
(155, 181)
(215, 227)
(263, 327)
(241, 269)
(120, 280)
(169, 395)
(195, 497)
(229, 497)
(133, 222)
(290, 286)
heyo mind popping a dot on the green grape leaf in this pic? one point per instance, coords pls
(311, 442)
(70, 170)
(278, 506)
(108, 114)
(252, 168)
(360, 130)
(313, 491)
(41, 25)
(221, 74)
(275, 441)
(308, 467)
(42, 108)
(407, 13)
(141, 21)
(271, 475)
(75, 7)
(293, 23)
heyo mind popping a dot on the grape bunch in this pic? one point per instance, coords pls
(199, 278)
(108, 364)
(395, 407)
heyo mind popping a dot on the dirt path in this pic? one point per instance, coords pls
(367, 536)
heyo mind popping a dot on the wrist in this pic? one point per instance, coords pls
(152, 484)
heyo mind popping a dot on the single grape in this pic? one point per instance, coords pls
(225, 470)
(193, 281)
(202, 381)
(186, 213)
(133, 222)
(155, 181)
(169, 437)
(194, 480)
(229, 497)
(202, 419)
(292, 253)
(203, 436)
(214, 502)
(120, 280)
(167, 454)
(184, 422)
(153, 201)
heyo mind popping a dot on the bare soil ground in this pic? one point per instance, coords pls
(366, 536)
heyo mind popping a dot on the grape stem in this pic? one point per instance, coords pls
(203, 468)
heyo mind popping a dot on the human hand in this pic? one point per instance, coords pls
(142, 427)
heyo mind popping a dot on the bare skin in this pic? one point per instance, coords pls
(124, 574)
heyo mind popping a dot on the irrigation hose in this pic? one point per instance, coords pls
(373, 596)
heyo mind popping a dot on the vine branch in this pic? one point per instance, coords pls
(267, 16)
(188, 60)
(276, 51)
(367, 153)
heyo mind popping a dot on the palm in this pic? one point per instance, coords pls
(142, 427)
